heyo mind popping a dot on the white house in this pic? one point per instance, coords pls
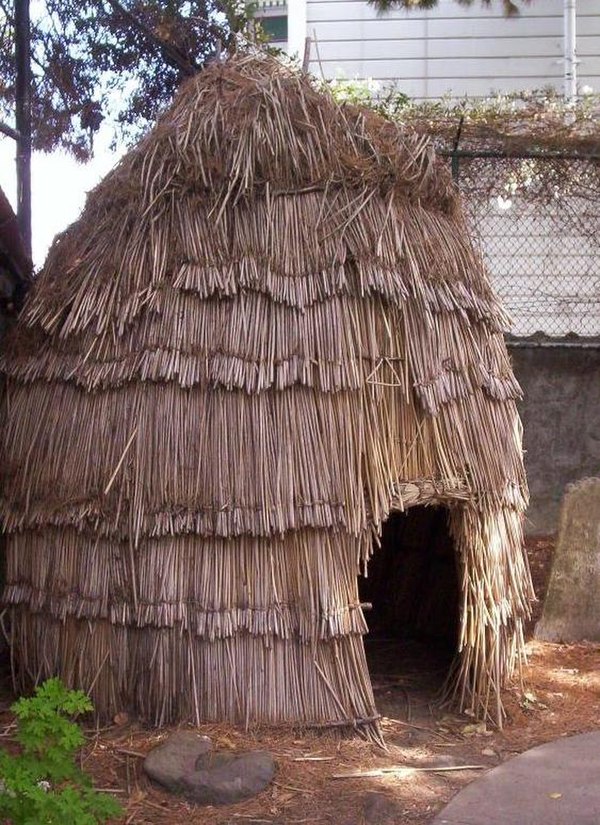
(546, 268)
(450, 49)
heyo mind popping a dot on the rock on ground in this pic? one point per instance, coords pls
(379, 809)
(187, 765)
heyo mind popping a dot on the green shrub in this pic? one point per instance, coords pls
(43, 785)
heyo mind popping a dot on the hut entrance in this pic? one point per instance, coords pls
(413, 587)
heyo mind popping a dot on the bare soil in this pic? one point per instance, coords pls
(561, 697)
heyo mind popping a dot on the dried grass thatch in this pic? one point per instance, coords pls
(267, 330)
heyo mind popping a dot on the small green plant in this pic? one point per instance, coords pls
(43, 785)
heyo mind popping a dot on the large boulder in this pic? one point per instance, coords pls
(571, 611)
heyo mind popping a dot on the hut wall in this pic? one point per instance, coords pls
(267, 330)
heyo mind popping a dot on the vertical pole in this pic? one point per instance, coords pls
(23, 119)
(455, 168)
(570, 49)
(306, 58)
(455, 159)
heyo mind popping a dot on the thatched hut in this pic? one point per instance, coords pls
(267, 332)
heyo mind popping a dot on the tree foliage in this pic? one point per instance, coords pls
(123, 59)
(510, 7)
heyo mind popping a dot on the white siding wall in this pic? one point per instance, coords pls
(452, 49)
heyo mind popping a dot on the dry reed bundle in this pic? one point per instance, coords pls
(267, 330)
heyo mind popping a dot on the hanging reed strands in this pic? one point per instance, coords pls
(266, 331)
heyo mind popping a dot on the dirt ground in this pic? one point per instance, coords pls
(562, 697)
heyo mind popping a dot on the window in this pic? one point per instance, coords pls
(276, 28)
(273, 18)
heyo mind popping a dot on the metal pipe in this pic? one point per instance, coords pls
(570, 49)
(500, 154)
(547, 343)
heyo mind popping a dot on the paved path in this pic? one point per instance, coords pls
(523, 791)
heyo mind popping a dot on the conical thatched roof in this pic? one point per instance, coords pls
(267, 330)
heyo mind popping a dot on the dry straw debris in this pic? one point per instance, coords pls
(266, 331)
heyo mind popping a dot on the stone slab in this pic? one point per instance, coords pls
(524, 790)
(571, 611)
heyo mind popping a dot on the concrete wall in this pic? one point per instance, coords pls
(561, 423)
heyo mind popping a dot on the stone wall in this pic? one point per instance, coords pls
(561, 422)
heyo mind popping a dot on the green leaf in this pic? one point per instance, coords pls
(43, 785)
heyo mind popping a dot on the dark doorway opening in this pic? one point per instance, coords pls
(414, 589)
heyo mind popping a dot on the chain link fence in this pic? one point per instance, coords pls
(537, 219)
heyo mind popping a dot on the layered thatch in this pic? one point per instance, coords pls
(267, 330)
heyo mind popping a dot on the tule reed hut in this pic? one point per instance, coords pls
(266, 334)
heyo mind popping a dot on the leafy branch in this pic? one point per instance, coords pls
(43, 785)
